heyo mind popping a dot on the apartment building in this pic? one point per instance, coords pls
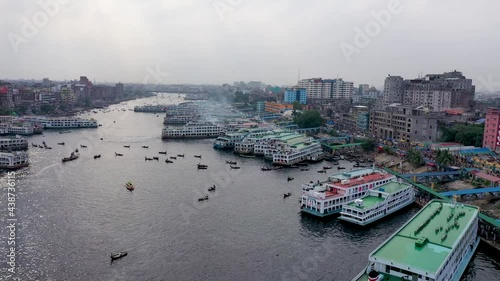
(318, 88)
(491, 135)
(404, 124)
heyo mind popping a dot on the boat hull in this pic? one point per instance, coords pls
(14, 167)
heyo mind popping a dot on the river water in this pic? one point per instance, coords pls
(72, 215)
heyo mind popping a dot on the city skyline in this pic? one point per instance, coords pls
(216, 42)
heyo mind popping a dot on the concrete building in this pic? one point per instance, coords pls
(404, 124)
(363, 89)
(295, 94)
(277, 107)
(261, 106)
(491, 135)
(318, 88)
(438, 92)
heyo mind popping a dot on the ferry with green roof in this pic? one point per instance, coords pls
(378, 203)
(436, 244)
(328, 197)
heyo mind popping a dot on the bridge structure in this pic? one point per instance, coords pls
(426, 189)
(435, 176)
(490, 190)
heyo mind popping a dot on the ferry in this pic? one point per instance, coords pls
(62, 122)
(179, 119)
(13, 160)
(300, 150)
(228, 140)
(193, 130)
(17, 143)
(247, 145)
(436, 244)
(25, 129)
(151, 108)
(327, 198)
(378, 203)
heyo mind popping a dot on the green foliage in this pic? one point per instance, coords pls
(309, 119)
(415, 157)
(444, 157)
(46, 108)
(466, 134)
(240, 97)
(297, 105)
(7, 111)
(368, 145)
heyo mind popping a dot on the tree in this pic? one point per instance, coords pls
(368, 145)
(466, 134)
(415, 157)
(444, 157)
(46, 108)
(297, 105)
(240, 97)
(309, 119)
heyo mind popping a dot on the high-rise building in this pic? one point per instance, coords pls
(437, 92)
(295, 94)
(318, 88)
(491, 134)
(363, 89)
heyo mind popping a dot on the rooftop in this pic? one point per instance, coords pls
(418, 245)
(361, 178)
(392, 187)
(368, 202)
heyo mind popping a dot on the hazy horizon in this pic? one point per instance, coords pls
(221, 41)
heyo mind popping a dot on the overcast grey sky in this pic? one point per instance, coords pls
(218, 41)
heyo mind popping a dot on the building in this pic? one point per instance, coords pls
(491, 135)
(404, 124)
(318, 88)
(438, 92)
(119, 90)
(277, 107)
(363, 121)
(6, 99)
(296, 94)
(260, 106)
(363, 89)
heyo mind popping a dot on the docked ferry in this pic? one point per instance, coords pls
(298, 151)
(378, 203)
(327, 198)
(13, 144)
(247, 145)
(63, 122)
(228, 140)
(13, 160)
(436, 244)
(193, 130)
(179, 119)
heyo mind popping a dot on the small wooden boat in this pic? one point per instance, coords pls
(340, 168)
(335, 163)
(162, 152)
(129, 186)
(48, 147)
(60, 143)
(234, 167)
(118, 154)
(290, 179)
(304, 169)
(147, 158)
(173, 157)
(212, 188)
(231, 162)
(322, 171)
(34, 145)
(118, 255)
(203, 198)
(126, 146)
(180, 155)
(72, 157)
(201, 166)
(97, 156)
(156, 158)
(327, 168)
(287, 195)
(266, 168)
(101, 138)
(198, 156)
(168, 161)
(247, 156)
(145, 146)
(83, 146)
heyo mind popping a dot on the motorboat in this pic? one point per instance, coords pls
(168, 161)
(156, 158)
(126, 146)
(212, 188)
(180, 155)
(234, 167)
(266, 168)
(97, 156)
(322, 171)
(173, 157)
(340, 168)
(118, 255)
(147, 158)
(231, 162)
(72, 157)
(327, 168)
(287, 195)
(203, 198)
(60, 143)
(198, 156)
(145, 146)
(83, 146)
(162, 152)
(201, 166)
(118, 154)
(129, 186)
(290, 179)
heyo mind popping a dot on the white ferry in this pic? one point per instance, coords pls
(63, 122)
(13, 160)
(436, 244)
(13, 143)
(193, 130)
(18, 129)
(327, 198)
(179, 119)
(378, 203)
(296, 152)
(228, 140)
(247, 145)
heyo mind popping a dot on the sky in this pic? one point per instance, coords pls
(221, 41)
